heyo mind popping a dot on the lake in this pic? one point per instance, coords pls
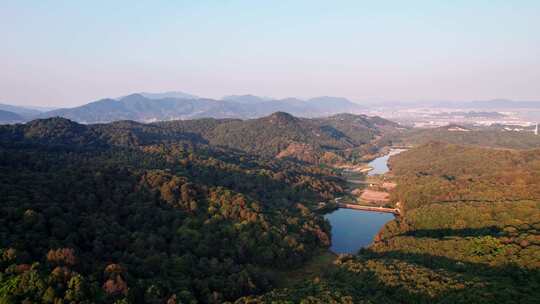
(353, 229)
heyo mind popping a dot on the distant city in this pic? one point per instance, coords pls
(432, 117)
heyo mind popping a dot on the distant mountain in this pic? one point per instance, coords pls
(22, 111)
(41, 108)
(10, 117)
(314, 107)
(326, 101)
(139, 107)
(245, 99)
(172, 94)
(327, 104)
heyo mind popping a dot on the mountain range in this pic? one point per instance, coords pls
(175, 105)
(150, 107)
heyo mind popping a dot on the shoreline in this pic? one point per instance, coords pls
(358, 183)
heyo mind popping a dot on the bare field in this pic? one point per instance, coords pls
(375, 196)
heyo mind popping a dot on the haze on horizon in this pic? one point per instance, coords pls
(69, 53)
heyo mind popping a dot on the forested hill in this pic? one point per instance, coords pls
(469, 233)
(135, 213)
(285, 136)
(318, 140)
(167, 213)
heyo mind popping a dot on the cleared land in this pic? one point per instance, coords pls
(373, 196)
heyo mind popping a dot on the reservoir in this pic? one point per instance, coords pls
(354, 229)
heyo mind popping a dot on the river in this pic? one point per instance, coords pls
(354, 229)
(380, 164)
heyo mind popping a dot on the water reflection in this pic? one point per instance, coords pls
(353, 229)
(380, 164)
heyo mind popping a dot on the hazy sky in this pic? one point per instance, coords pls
(70, 52)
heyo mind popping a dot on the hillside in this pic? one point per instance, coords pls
(469, 234)
(321, 140)
(107, 213)
(179, 211)
(283, 135)
(443, 172)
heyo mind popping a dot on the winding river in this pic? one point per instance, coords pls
(354, 229)
(380, 164)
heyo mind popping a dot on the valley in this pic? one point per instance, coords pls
(158, 204)
(355, 222)
(228, 210)
(461, 238)
(269, 152)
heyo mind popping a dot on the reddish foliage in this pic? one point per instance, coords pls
(23, 268)
(115, 285)
(62, 274)
(114, 269)
(65, 256)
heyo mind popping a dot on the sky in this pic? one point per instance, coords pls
(67, 53)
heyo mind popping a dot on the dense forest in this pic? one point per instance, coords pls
(334, 139)
(119, 213)
(470, 233)
(194, 212)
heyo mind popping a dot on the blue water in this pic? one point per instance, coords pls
(353, 229)
(380, 164)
